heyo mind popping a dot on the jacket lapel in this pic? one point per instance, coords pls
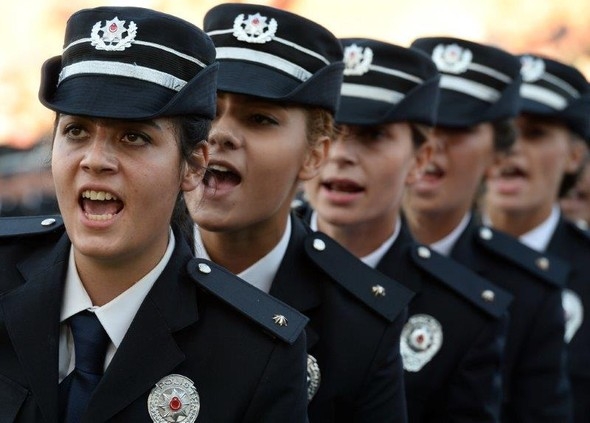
(149, 350)
(33, 309)
(466, 248)
(297, 280)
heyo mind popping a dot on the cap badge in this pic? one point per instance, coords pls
(255, 29)
(174, 399)
(420, 340)
(574, 313)
(112, 38)
(357, 60)
(451, 58)
(532, 68)
(313, 376)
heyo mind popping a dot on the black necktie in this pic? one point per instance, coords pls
(90, 343)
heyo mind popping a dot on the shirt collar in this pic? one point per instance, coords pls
(115, 316)
(445, 245)
(373, 258)
(539, 237)
(262, 273)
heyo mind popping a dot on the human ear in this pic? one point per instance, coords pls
(315, 158)
(421, 160)
(577, 151)
(195, 167)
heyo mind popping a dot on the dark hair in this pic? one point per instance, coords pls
(192, 132)
(504, 134)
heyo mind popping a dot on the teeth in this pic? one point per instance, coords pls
(431, 168)
(99, 216)
(219, 168)
(98, 195)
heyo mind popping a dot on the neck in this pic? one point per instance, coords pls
(105, 280)
(516, 223)
(238, 250)
(361, 239)
(428, 228)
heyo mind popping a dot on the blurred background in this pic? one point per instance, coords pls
(32, 31)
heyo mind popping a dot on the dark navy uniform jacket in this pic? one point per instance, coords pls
(462, 381)
(536, 388)
(213, 328)
(353, 330)
(572, 244)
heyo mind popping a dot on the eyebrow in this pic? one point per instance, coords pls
(113, 121)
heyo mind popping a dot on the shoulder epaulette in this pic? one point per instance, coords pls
(550, 269)
(29, 225)
(380, 293)
(479, 291)
(277, 318)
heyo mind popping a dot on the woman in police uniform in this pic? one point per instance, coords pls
(279, 83)
(112, 319)
(473, 126)
(522, 195)
(452, 341)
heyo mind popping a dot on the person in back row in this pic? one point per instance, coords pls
(452, 342)
(279, 84)
(478, 101)
(106, 316)
(522, 195)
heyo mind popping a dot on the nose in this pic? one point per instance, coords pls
(99, 156)
(342, 149)
(224, 135)
(438, 140)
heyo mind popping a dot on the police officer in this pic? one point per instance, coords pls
(279, 84)
(479, 97)
(451, 343)
(522, 194)
(106, 315)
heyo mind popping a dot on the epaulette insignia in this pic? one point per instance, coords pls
(549, 269)
(29, 225)
(276, 317)
(477, 290)
(380, 293)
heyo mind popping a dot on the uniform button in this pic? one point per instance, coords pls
(319, 245)
(424, 252)
(204, 268)
(486, 233)
(48, 222)
(488, 295)
(378, 291)
(542, 263)
(280, 320)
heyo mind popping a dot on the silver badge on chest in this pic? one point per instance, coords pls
(573, 311)
(174, 399)
(421, 339)
(313, 376)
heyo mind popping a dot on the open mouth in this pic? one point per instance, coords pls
(100, 205)
(219, 175)
(433, 171)
(509, 172)
(342, 186)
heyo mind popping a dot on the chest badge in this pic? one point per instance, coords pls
(574, 313)
(313, 376)
(421, 339)
(174, 399)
